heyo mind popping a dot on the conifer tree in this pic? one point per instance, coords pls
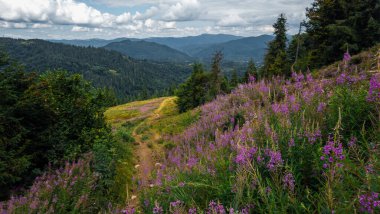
(216, 78)
(333, 24)
(275, 59)
(234, 79)
(251, 71)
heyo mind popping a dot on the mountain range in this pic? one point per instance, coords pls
(129, 78)
(184, 49)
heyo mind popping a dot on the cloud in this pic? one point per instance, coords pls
(144, 18)
(186, 10)
(80, 29)
(232, 20)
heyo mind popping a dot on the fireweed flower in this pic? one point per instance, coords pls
(374, 89)
(321, 107)
(291, 142)
(346, 57)
(176, 203)
(192, 211)
(332, 154)
(288, 181)
(368, 202)
(245, 155)
(352, 141)
(369, 169)
(275, 159)
(216, 208)
(341, 79)
(157, 209)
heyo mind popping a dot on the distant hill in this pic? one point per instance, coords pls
(202, 47)
(189, 43)
(239, 50)
(128, 77)
(88, 42)
(149, 51)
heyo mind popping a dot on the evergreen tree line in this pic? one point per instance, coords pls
(203, 86)
(331, 28)
(47, 119)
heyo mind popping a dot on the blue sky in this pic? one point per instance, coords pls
(82, 19)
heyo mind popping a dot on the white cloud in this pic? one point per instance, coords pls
(185, 10)
(232, 20)
(144, 18)
(80, 29)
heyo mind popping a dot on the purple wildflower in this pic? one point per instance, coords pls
(275, 159)
(289, 181)
(291, 142)
(333, 152)
(321, 107)
(374, 89)
(368, 202)
(346, 57)
(192, 211)
(176, 203)
(352, 141)
(157, 209)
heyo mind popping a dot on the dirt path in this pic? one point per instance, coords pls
(145, 165)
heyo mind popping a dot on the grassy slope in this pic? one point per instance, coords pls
(146, 123)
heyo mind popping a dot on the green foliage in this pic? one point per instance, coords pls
(251, 71)
(350, 104)
(130, 79)
(194, 91)
(275, 59)
(201, 87)
(332, 25)
(45, 119)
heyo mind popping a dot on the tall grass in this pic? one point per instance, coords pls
(304, 145)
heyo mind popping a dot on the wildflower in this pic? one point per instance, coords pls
(341, 78)
(346, 57)
(217, 208)
(374, 89)
(321, 107)
(352, 142)
(175, 203)
(289, 181)
(369, 169)
(157, 209)
(129, 210)
(291, 142)
(192, 211)
(368, 202)
(275, 159)
(333, 152)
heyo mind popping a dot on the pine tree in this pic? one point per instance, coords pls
(234, 79)
(275, 59)
(216, 77)
(334, 24)
(251, 71)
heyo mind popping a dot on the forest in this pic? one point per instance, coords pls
(128, 78)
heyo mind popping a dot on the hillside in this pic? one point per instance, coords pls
(149, 51)
(97, 43)
(274, 143)
(128, 77)
(190, 43)
(238, 50)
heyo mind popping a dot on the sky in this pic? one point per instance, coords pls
(107, 19)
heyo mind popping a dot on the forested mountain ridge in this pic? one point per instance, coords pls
(128, 77)
(238, 50)
(148, 50)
